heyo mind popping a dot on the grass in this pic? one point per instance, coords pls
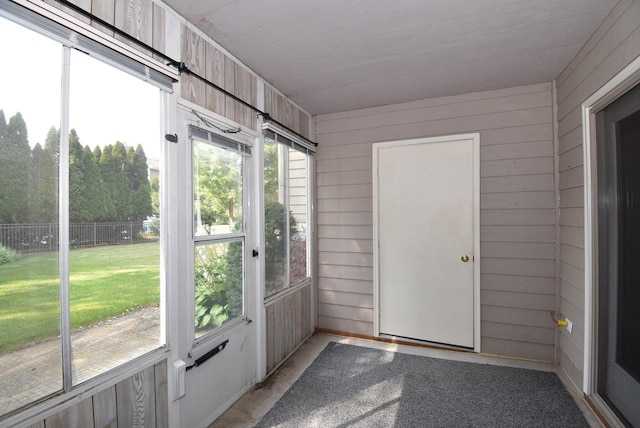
(104, 282)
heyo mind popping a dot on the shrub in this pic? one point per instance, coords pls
(7, 255)
(275, 244)
(218, 284)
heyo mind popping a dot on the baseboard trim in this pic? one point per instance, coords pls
(390, 340)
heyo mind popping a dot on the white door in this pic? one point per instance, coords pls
(426, 215)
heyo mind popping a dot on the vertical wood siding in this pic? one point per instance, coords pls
(517, 217)
(205, 59)
(288, 324)
(612, 47)
(139, 401)
(285, 112)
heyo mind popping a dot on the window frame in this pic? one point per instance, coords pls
(71, 34)
(195, 131)
(292, 142)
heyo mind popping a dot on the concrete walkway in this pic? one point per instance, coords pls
(34, 372)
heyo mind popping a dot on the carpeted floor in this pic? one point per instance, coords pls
(352, 386)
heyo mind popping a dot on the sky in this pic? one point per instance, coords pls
(106, 104)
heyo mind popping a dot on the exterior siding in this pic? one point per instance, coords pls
(517, 214)
(612, 47)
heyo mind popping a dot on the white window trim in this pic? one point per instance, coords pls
(608, 93)
(71, 394)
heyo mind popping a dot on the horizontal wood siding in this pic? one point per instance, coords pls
(612, 47)
(517, 214)
(138, 401)
(289, 324)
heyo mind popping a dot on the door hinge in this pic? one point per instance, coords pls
(255, 253)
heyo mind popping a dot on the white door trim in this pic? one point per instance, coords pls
(609, 92)
(476, 225)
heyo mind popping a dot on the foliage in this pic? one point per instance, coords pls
(218, 288)
(271, 170)
(15, 162)
(275, 255)
(155, 196)
(106, 184)
(218, 184)
(7, 255)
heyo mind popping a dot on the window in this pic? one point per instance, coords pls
(218, 230)
(286, 212)
(79, 217)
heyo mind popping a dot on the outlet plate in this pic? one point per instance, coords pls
(569, 325)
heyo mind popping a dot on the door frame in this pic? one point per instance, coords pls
(620, 84)
(475, 137)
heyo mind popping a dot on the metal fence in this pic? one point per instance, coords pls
(34, 237)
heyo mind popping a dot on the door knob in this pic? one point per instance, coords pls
(464, 258)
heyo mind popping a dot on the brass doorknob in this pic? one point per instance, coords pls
(464, 258)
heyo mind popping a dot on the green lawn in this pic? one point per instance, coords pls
(105, 282)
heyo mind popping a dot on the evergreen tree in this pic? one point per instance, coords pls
(97, 154)
(99, 204)
(50, 175)
(3, 126)
(140, 206)
(38, 185)
(15, 160)
(113, 169)
(79, 207)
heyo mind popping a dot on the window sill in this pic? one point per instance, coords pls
(284, 292)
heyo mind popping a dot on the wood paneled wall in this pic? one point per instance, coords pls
(138, 401)
(145, 20)
(613, 46)
(517, 217)
(203, 58)
(285, 112)
(289, 324)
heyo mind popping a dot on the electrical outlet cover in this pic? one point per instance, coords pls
(569, 325)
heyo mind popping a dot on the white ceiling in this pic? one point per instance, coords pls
(337, 55)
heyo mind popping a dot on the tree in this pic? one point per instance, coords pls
(39, 184)
(155, 196)
(97, 154)
(219, 187)
(275, 256)
(113, 170)
(15, 162)
(138, 175)
(271, 171)
(100, 205)
(79, 206)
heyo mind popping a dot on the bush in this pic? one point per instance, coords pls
(275, 245)
(218, 284)
(7, 255)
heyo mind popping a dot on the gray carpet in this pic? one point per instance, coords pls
(352, 386)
